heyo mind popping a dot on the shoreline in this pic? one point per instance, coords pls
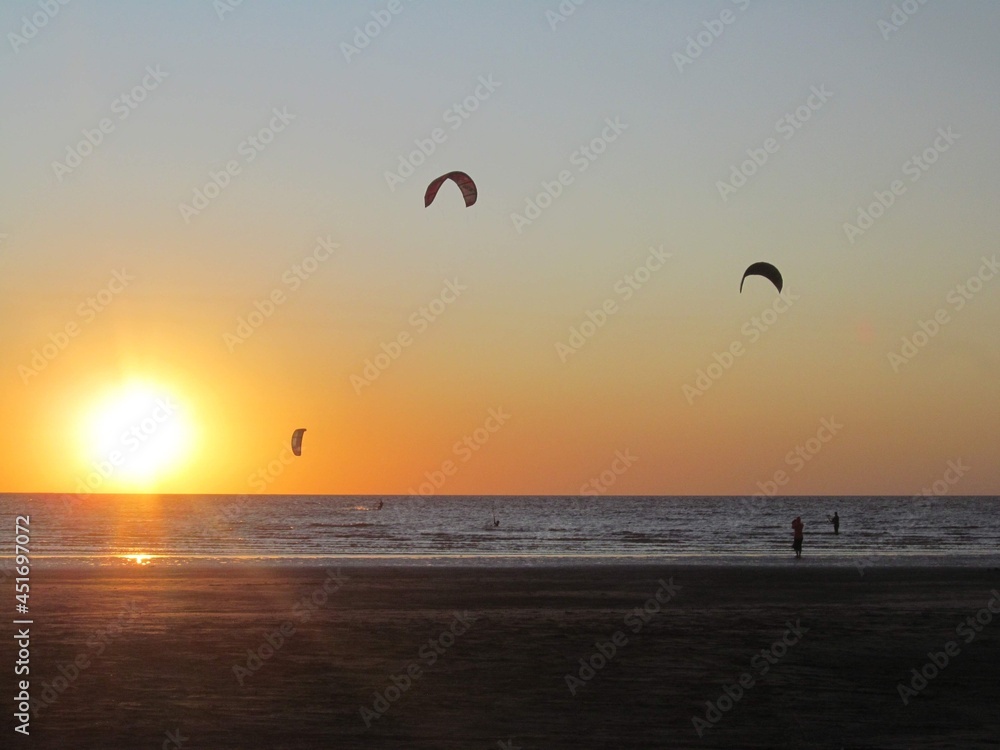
(461, 561)
(550, 657)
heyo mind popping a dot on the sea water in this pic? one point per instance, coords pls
(288, 530)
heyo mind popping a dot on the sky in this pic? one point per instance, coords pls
(212, 233)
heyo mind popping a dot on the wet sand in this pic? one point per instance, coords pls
(481, 657)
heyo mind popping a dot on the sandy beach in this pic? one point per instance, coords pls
(602, 657)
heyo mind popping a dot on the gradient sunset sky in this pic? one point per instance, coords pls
(516, 91)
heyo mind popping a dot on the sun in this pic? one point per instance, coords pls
(135, 437)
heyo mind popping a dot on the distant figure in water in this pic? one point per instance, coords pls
(379, 506)
(797, 526)
(496, 521)
(835, 520)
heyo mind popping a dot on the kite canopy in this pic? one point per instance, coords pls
(767, 271)
(461, 179)
(297, 441)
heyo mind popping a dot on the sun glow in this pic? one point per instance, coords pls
(134, 437)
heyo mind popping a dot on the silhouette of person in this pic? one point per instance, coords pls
(797, 526)
(379, 506)
(835, 520)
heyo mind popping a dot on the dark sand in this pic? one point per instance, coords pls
(171, 665)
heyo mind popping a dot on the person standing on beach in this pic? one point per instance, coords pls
(835, 520)
(797, 526)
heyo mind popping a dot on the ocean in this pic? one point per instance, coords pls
(176, 530)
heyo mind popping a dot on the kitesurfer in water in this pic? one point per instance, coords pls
(797, 526)
(835, 520)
